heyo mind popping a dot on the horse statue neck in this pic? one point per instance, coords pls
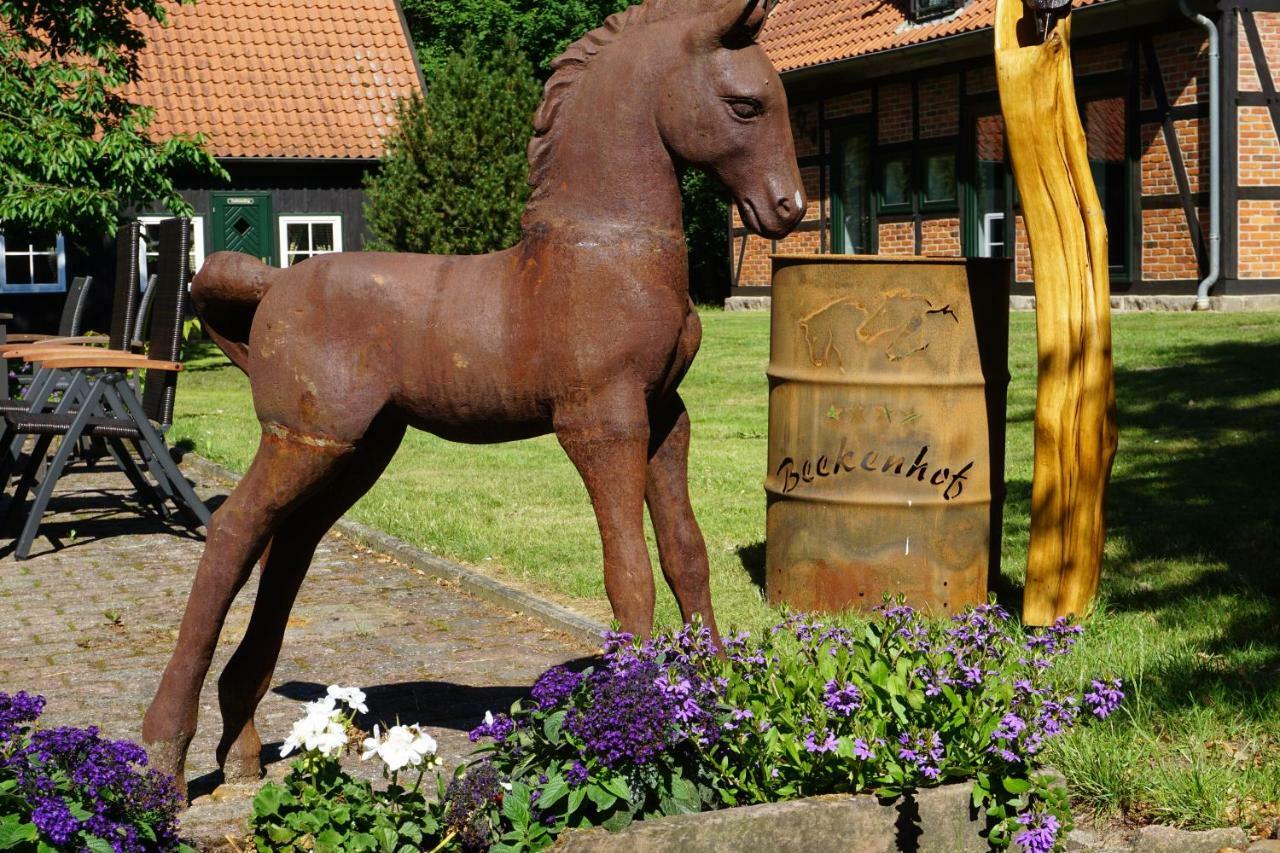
(598, 163)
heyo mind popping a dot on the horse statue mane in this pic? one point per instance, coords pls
(568, 69)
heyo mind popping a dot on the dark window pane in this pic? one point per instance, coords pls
(46, 268)
(17, 269)
(322, 237)
(897, 181)
(297, 237)
(852, 192)
(1104, 121)
(940, 177)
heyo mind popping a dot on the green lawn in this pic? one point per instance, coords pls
(1190, 610)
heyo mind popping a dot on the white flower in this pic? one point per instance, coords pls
(397, 750)
(506, 786)
(401, 746)
(488, 718)
(321, 730)
(371, 744)
(353, 696)
(423, 743)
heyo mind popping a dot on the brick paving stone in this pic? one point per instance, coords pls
(91, 622)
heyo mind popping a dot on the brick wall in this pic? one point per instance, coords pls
(940, 235)
(895, 120)
(1259, 239)
(940, 106)
(1258, 158)
(897, 236)
(1168, 254)
(1165, 248)
(1269, 31)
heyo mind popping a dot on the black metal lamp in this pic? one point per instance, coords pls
(1046, 12)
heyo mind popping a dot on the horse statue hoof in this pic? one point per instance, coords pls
(170, 758)
(242, 762)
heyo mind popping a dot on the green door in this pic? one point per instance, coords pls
(242, 222)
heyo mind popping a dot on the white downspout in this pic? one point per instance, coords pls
(1215, 156)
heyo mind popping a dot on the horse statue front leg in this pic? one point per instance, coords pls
(681, 548)
(606, 436)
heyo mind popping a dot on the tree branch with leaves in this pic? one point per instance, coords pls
(74, 150)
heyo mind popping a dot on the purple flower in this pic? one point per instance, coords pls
(498, 728)
(844, 699)
(738, 715)
(861, 751)
(626, 718)
(54, 820)
(16, 711)
(467, 801)
(554, 686)
(1103, 699)
(576, 775)
(1041, 832)
(828, 744)
(924, 749)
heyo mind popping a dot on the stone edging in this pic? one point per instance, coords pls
(469, 580)
(1120, 303)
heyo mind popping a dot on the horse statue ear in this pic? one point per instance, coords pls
(738, 22)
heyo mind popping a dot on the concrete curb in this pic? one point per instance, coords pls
(553, 615)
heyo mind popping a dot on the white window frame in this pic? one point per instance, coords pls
(989, 243)
(59, 286)
(282, 232)
(197, 246)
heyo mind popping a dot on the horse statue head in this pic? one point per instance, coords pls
(660, 86)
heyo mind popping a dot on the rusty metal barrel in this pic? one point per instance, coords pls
(888, 380)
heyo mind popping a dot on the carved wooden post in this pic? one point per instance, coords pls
(1075, 426)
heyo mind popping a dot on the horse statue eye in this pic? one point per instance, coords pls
(745, 107)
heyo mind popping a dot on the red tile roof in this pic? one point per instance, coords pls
(279, 78)
(802, 33)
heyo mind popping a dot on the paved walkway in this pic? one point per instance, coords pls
(91, 622)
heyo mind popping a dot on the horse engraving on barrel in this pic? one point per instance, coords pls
(900, 323)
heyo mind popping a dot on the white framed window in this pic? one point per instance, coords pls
(305, 236)
(149, 259)
(34, 261)
(992, 235)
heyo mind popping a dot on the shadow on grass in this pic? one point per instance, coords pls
(1194, 516)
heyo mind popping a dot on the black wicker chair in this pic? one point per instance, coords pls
(112, 409)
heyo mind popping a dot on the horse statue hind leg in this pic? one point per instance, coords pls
(344, 351)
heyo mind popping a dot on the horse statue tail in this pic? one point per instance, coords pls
(226, 293)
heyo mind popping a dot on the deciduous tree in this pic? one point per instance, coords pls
(74, 150)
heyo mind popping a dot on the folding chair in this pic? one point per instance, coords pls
(112, 409)
(60, 390)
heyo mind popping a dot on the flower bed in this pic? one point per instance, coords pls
(669, 727)
(70, 789)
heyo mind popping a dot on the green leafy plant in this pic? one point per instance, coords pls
(321, 807)
(669, 726)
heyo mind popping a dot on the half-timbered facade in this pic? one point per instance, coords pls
(901, 142)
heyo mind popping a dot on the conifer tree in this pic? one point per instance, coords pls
(452, 178)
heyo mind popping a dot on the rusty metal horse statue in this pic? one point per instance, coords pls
(585, 329)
